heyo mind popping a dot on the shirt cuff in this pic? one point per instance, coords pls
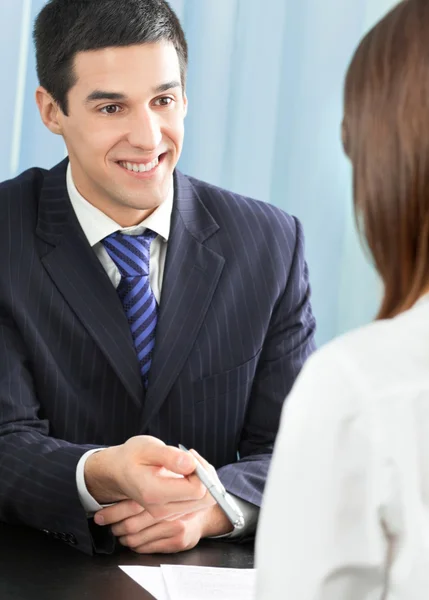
(251, 514)
(89, 503)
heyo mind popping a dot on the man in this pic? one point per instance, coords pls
(139, 308)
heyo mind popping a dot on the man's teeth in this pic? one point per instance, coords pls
(140, 168)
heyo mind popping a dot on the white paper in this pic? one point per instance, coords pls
(176, 582)
(150, 578)
(208, 583)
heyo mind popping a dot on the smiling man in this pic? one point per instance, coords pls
(123, 132)
(139, 308)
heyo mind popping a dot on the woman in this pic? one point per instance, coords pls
(346, 512)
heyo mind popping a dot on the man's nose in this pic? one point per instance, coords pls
(145, 131)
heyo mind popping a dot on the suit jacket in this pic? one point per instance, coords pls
(234, 328)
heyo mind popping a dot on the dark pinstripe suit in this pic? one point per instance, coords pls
(235, 327)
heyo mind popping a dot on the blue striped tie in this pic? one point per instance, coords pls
(131, 253)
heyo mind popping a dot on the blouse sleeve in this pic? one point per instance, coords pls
(319, 535)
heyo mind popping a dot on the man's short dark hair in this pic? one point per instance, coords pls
(65, 27)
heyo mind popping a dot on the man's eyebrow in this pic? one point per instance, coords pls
(97, 95)
(166, 86)
(103, 95)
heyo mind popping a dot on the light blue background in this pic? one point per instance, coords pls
(265, 90)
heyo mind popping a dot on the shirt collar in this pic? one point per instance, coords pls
(97, 225)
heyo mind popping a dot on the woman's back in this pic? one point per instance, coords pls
(346, 512)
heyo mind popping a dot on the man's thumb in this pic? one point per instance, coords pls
(178, 461)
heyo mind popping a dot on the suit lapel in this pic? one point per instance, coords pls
(79, 276)
(191, 276)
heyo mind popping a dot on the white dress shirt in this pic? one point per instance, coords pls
(346, 510)
(96, 225)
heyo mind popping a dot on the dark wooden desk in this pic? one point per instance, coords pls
(35, 567)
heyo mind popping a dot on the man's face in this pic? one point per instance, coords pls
(125, 126)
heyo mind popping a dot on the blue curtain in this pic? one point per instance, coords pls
(265, 91)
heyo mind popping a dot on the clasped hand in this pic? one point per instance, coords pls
(161, 505)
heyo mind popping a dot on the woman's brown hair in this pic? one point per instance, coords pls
(386, 136)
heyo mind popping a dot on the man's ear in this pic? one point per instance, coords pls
(49, 110)
(185, 104)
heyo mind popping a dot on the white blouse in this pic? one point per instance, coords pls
(346, 510)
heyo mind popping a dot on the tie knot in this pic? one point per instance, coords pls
(130, 253)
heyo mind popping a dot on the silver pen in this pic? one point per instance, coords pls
(216, 489)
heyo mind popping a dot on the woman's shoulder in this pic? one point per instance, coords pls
(382, 353)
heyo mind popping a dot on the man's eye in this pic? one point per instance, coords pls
(111, 109)
(164, 101)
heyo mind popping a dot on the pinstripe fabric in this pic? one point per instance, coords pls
(234, 329)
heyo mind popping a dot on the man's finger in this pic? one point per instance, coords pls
(166, 473)
(160, 490)
(210, 468)
(170, 458)
(133, 525)
(201, 460)
(159, 531)
(118, 512)
(175, 510)
(164, 546)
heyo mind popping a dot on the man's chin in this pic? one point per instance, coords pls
(136, 204)
(147, 204)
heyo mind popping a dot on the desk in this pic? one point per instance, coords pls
(35, 567)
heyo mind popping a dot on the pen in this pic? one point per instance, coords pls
(216, 489)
